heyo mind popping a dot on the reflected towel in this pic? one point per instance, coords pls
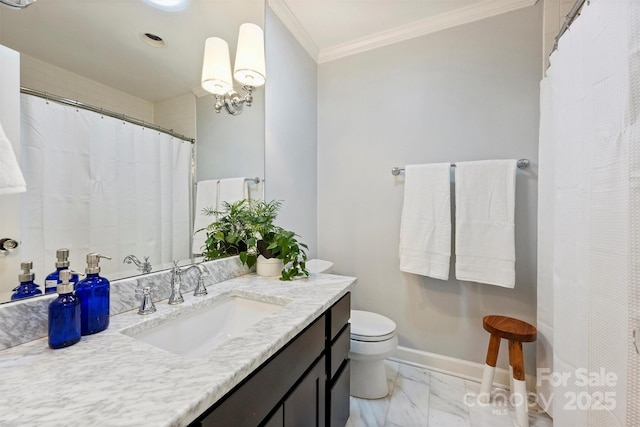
(11, 179)
(231, 190)
(425, 229)
(206, 195)
(485, 241)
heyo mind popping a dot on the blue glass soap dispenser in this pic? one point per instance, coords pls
(52, 280)
(27, 287)
(93, 292)
(64, 314)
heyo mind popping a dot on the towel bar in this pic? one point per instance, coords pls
(522, 164)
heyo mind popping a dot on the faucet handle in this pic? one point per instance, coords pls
(146, 266)
(201, 289)
(147, 306)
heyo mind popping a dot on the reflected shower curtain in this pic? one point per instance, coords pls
(589, 220)
(99, 184)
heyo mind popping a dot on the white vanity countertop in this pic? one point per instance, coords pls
(110, 379)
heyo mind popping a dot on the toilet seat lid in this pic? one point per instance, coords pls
(367, 326)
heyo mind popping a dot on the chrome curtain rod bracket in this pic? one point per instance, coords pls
(522, 164)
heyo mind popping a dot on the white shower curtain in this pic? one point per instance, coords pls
(99, 184)
(588, 220)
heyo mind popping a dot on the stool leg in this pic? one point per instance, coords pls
(510, 371)
(489, 369)
(519, 392)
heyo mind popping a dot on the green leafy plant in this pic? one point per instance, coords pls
(246, 228)
(229, 235)
(284, 245)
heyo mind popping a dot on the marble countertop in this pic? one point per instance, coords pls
(111, 379)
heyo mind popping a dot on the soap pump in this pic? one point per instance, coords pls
(27, 288)
(64, 314)
(93, 292)
(52, 280)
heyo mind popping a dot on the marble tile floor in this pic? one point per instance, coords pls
(422, 398)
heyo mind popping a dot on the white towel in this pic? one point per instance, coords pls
(206, 196)
(231, 190)
(485, 203)
(212, 194)
(11, 179)
(425, 229)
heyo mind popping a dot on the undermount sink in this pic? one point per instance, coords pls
(197, 332)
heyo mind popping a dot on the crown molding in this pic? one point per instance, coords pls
(464, 15)
(290, 21)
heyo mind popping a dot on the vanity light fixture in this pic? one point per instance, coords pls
(249, 69)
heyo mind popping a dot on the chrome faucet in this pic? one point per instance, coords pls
(146, 304)
(176, 282)
(201, 289)
(144, 267)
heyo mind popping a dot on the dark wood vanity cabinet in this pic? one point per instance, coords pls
(305, 384)
(337, 348)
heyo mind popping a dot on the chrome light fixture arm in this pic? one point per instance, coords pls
(232, 102)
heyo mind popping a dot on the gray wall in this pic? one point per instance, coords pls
(291, 131)
(466, 93)
(230, 146)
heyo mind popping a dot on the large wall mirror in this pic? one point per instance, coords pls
(109, 53)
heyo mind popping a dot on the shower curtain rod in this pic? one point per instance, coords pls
(77, 104)
(568, 20)
(522, 164)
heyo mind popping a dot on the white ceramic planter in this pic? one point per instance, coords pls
(271, 267)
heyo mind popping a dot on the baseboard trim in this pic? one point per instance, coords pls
(456, 367)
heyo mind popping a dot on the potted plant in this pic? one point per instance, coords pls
(246, 228)
(228, 235)
(282, 245)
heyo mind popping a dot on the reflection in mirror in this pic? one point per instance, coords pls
(98, 53)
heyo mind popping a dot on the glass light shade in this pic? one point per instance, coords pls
(169, 5)
(216, 68)
(249, 66)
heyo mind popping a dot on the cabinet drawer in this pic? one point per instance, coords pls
(339, 315)
(340, 350)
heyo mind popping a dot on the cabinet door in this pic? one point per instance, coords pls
(250, 403)
(305, 406)
(276, 420)
(339, 405)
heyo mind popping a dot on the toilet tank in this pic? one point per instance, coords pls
(319, 266)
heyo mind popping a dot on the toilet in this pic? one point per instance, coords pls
(373, 338)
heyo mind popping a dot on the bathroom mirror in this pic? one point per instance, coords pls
(116, 43)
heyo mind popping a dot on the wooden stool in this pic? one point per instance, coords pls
(517, 332)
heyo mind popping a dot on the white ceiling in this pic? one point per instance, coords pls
(101, 39)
